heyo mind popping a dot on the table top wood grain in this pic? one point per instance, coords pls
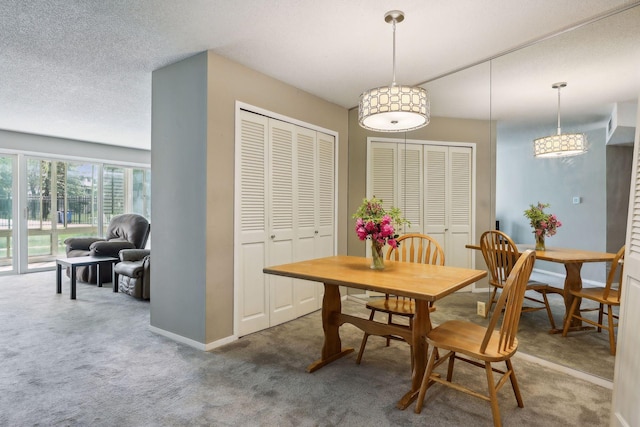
(420, 281)
(563, 255)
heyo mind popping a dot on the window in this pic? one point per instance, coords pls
(71, 199)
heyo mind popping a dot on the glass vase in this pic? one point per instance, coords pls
(377, 260)
(540, 242)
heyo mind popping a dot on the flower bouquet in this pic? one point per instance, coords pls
(378, 225)
(543, 224)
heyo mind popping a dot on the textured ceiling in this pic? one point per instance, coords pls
(82, 69)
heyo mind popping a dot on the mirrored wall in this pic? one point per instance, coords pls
(600, 62)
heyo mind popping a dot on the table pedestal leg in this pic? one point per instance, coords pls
(572, 282)
(421, 326)
(332, 348)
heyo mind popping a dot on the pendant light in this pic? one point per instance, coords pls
(560, 145)
(394, 108)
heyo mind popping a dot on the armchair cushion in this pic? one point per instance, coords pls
(133, 254)
(134, 272)
(81, 243)
(110, 248)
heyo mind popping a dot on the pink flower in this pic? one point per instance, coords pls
(392, 243)
(370, 226)
(386, 230)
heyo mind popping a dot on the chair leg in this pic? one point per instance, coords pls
(362, 346)
(492, 300)
(493, 395)
(612, 337)
(389, 321)
(567, 321)
(425, 381)
(452, 359)
(514, 383)
(600, 312)
(364, 340)
(548, 307)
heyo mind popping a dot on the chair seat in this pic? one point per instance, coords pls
(404, 307)
(597, 294)
(466, 338)
(537, 286)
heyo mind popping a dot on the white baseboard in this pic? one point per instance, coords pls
(602, 382)
(193, 343)
(559, 278)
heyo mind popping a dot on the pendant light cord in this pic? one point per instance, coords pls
(559, 131)
(394, 52)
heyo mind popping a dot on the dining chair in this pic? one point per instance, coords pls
(481, 346)
(607, 295)
(414, 247)
(500, 254)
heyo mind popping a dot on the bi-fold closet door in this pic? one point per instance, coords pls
(432, 184)
(286, 201)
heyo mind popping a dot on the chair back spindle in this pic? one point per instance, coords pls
(500, 254)
(418, 248)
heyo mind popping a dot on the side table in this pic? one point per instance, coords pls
(83, 261)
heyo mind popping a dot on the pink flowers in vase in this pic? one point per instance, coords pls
(373, 222)
(543, 224)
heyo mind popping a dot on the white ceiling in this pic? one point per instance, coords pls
(82, 69)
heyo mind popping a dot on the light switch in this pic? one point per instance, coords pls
(576, 200)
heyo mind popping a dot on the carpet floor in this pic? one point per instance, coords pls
(94, 362)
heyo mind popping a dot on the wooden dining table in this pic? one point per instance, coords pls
(423, 282)
(572, 260)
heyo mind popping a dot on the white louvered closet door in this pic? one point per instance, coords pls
(459, 207)
(280, 208)
(252, 299)
(397, 179)
(432, 185)
(305, 292)
(285, 202)
(448, 200)
(410, 187)
(326, 205)
(383, 180)
(435, 194)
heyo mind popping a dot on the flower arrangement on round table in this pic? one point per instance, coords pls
(543, 224)
(375, 223)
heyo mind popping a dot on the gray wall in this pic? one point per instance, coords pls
(523, 180)
(619, 165)
(179, 210)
